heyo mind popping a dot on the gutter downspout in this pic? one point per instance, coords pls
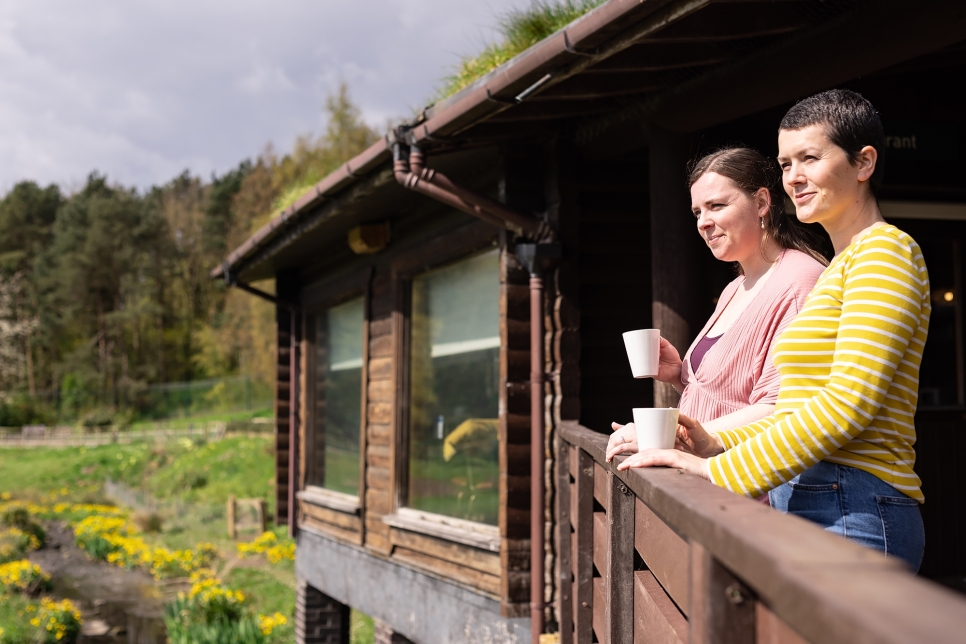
(538, 259)
(411, 173)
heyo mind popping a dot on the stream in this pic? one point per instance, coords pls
(119, 606)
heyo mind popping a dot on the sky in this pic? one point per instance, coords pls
(141, 91)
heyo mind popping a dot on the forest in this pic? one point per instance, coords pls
(105, 292)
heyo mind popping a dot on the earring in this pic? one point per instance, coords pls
(762, 220)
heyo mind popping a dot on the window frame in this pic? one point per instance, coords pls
(447, 248)
(317, 299)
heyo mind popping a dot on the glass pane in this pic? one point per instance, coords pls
(939, 373)
(454, 374)
(338, 396)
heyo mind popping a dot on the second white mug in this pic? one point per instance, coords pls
(656, 427)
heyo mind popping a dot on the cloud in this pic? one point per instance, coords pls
(143, 90)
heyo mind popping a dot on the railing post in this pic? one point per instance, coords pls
(722, 608)
(619, 573)
(564, 544)
(584, 548)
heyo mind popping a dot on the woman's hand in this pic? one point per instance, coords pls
(667, 458)
(622, 441)
(693, 439)
(669, 364)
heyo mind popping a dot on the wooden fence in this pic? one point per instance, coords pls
(656, 555)
(40, 436)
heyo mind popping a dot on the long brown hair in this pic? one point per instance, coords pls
(751, 171)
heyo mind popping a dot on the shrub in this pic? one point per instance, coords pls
(19, 517)
(267, 544)
(14, 544)
(57, 621)
(23, 577)
(212, 614)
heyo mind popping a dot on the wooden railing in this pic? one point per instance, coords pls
(656, 555)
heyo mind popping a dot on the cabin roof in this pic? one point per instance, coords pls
(600, 77)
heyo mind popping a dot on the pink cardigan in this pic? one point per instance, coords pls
(738, 370)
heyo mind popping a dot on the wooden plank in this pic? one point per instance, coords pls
(378, 456)
(377, 502)
(353, 537)
(377, 537)
(656, 618)
(584, 545)
(600, 541)
(564, 543)
(722, 608)
(600, 611)
(380, 391)
(467, 556)
(381, 347)
(332, 517)
(572, 461)
(379, 328)
(380, 413)
(380, 368)
(448, 571)
(664, 552)
(618, 572)
(515, 573)
(378, 478)
(771, 629)
(379, 434)
(601, 488)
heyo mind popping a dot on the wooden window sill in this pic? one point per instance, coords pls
(468, 533)
(330, 499)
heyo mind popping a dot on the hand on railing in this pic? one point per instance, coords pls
(692, 448)
(622, 441)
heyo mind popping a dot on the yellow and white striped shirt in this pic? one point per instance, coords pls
(849, 365)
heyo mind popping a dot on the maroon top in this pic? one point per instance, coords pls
(701, 348)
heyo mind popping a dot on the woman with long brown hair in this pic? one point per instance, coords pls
(727, 377)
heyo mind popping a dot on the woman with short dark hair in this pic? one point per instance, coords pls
(839, 448)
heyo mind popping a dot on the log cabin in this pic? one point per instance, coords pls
(449, 309)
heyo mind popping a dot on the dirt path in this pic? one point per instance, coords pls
(119, 606)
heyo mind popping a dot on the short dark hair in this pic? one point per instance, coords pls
(750, 171)
(850, 122)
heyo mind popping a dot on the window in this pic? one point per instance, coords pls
(337, 413)
(454, 376)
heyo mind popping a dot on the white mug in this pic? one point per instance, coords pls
(656, 427)
(643, 351)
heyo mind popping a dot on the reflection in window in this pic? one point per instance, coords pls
(454, 373)
(338, 397)
(939, 376)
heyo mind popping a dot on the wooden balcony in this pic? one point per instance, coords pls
(657, 555)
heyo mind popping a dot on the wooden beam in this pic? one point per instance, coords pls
(651, 56)
(727, 22)
(880, 35)
(584, 547)
(595, 86)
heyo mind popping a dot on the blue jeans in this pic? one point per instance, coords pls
(856, 505)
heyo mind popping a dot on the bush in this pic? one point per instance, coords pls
(18, 411)
(19, 517)
(57, 622)
(212, 614)
(23, 577)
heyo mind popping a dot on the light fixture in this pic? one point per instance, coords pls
(948, 296)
